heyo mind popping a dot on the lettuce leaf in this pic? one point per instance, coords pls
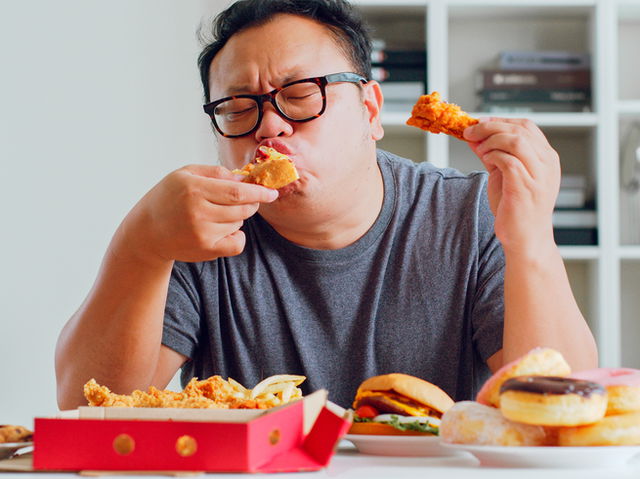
(403, 426)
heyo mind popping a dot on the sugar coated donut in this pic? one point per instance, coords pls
(623, 386)
(552, 401)
(537, 362)
(618, 430)
(469, 422)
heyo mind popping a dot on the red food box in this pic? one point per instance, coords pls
(300, 436)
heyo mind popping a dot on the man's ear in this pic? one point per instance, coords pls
(373, 101)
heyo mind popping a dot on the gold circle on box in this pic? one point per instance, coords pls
(186, 446)
(124, 444)
(274, 437)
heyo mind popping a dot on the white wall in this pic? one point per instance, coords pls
(98, 101)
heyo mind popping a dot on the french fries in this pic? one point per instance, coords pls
(280, 388)
(275, 384)
(214, 392)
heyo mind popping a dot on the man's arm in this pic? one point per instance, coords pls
(193, 214)
(115, 335)
(524, 178)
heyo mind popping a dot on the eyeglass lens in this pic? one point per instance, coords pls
(299, 101)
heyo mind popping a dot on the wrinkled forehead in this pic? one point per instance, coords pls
(263, 57)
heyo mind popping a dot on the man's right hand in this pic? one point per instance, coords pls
(193, 214)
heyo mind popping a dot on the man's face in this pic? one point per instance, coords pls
(330, 151)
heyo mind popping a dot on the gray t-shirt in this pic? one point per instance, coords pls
(420, 293)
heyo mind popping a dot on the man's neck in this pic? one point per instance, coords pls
(335, 222)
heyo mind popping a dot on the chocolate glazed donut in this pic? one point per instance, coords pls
(552, 385)
(552, 401)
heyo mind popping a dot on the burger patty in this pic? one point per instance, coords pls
(382, 403)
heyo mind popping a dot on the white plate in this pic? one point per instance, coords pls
(399, 445)
(8, 449)
(516, 456)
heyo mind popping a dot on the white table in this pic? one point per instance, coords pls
(348, 463)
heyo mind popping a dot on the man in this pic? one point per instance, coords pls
(368, 264)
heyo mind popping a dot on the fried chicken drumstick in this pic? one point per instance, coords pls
(433, 114)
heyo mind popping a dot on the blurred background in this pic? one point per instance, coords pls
(98, 101)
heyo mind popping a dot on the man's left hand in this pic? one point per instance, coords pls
(524, 179)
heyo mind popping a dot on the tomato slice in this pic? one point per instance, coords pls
(368, 412)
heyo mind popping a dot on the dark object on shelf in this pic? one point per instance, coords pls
(503, 107)
(571, 198)
(495, 79)
(393, 73)
(511, 95)
(398, 57)
(544, 60)
(575, 218)
(576, 236)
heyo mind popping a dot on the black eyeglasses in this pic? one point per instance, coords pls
(299, 101)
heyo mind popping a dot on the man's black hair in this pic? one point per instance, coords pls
(344, 22)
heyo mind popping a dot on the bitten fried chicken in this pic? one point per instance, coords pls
(270, 168)
(433, 114)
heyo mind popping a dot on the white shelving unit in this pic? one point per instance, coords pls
(462, 36)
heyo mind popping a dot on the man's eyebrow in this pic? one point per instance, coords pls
(291, 77)
(243, 89)
(237, 90)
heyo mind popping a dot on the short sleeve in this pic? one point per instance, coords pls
(183, 310)
(488, 307)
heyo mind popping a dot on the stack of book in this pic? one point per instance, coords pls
(402, 74)
(573, 192)
(575, 221)
(536, 81)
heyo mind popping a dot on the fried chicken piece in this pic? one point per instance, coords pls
(10, 433)
(98, 395)
(213, 392)
(161, 398)
(432, 114)
(270, 168)
(217, 389)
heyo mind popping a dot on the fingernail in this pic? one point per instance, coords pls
(466, 133)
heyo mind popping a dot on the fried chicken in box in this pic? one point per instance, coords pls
(214, 392)
(433, 114)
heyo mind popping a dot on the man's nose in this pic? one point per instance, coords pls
(272, 124)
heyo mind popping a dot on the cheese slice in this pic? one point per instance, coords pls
(410, 408)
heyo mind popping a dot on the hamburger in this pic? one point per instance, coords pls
(398, 404)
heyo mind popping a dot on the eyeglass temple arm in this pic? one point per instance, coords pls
(346, 76)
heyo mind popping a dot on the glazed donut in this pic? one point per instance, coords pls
(623, 387)
(537, 362)
(552, 401)
(619, 430)
(469, 422)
